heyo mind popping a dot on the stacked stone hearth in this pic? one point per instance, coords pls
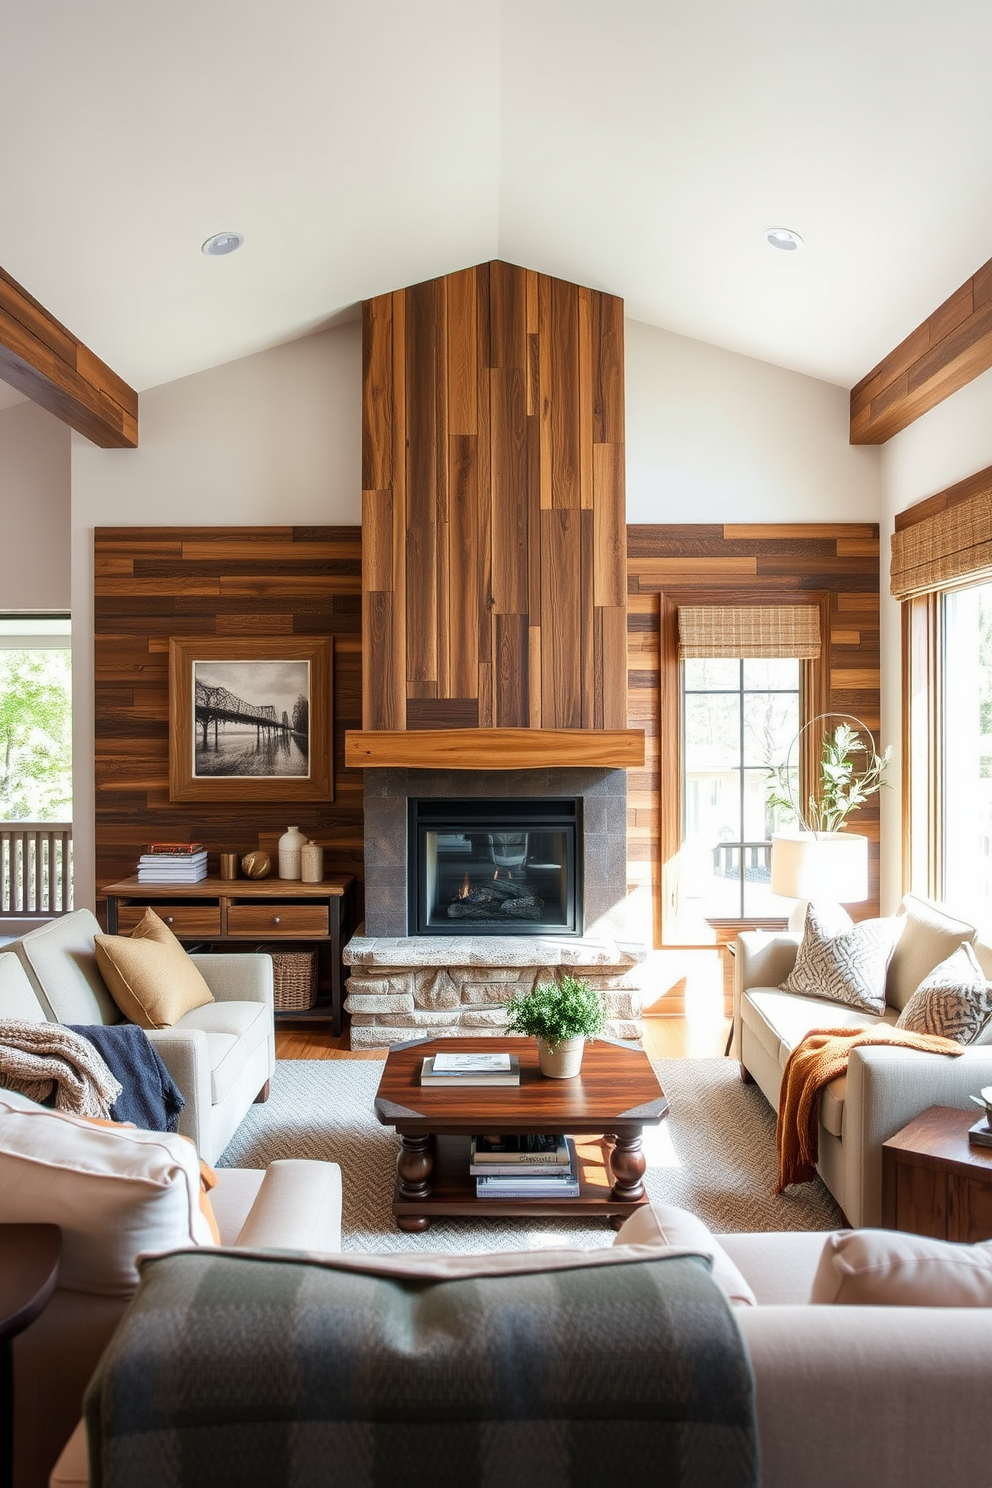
(405, 987)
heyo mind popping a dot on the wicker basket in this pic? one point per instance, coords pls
(294, 978)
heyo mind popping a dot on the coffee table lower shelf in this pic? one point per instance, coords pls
(452, 1190)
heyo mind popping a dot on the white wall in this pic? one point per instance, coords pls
(34, 509)
(952, 441)
(273, 439)
(713, 436)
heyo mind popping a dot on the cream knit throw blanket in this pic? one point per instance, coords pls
(36, 1056)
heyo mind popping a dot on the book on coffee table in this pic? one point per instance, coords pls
(511, 1155)
(530, 1185)
(454, 1073)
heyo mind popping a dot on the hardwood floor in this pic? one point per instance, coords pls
(689, 1037)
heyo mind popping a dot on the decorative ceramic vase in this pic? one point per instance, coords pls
(312, 862)
(562, 1062)
(291, 844)
(256, 865)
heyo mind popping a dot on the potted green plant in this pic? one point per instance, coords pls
(821, 860)
(561, 1016)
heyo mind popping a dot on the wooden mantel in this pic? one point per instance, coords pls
(493, 749)
(494, 577)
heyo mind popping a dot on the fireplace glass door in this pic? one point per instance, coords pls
(494, 867)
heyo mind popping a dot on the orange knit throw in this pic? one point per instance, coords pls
(821, 1057)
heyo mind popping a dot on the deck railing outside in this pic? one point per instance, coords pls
(35, 869)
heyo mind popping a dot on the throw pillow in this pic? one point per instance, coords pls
(150, 976)
(884, 1268)
(954, 1000)
(663, 1225)
(843, 964)
(115, 1191)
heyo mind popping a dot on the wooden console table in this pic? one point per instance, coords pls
(248, 910)
(934, 1182)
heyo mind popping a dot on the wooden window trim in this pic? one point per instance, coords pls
(922, 690)
(814, 699)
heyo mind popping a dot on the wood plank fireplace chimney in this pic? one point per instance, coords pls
(494, 554)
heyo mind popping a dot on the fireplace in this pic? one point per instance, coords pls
(494, 867)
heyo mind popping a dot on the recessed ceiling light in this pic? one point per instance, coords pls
(784, 238)
(222, 243)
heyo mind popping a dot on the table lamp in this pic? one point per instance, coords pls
(830, 866)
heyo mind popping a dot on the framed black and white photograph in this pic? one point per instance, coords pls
(250, 718)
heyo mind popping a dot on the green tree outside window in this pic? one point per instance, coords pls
(35, 735)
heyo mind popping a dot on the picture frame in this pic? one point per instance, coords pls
(251, 718)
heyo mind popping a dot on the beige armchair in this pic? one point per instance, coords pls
(117, 1193)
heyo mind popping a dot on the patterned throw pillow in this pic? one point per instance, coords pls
(845, 964)
(955, 1000)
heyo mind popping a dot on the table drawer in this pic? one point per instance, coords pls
(291, 920)
(182, 919)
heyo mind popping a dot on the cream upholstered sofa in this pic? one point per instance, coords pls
(117, 1192)
(220, 1055)
(884, 1088)
(867, 1396)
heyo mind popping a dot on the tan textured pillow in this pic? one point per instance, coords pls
(150, 976)
(883, 1268)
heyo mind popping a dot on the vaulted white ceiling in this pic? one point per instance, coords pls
(639, 146)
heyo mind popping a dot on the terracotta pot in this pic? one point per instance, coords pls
(562, 1062)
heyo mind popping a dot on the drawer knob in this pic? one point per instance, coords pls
(168, 919)
(277, 920)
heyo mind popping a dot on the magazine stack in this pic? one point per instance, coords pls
(173, 862)
(524, 1167)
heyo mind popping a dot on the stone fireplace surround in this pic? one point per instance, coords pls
(402, 985)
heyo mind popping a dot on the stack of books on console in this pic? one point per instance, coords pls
(525, 1167)
(173, 862)
(452, 1071)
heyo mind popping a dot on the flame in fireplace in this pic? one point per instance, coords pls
(464, 890)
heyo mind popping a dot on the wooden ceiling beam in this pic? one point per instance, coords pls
(47, 363)
(950, 348)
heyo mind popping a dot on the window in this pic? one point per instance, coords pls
(35, 768)
(948, 786)
(739, 719)
(723, 721)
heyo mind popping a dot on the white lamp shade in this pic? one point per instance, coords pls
(820, 865)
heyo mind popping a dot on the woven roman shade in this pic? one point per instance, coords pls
(945, 549)
(760, 631)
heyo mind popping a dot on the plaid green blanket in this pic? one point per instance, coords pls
(280, 1372)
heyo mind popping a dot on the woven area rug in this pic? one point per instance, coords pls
(714, 1154)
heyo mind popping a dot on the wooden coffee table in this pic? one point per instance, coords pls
(614, 1097)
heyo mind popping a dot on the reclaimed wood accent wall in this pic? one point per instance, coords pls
(951, 348)
(155, 582)
(493, 506)
(834, 564)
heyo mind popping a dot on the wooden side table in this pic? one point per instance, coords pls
(29, 1270)
(934, 1182)
(247, 910)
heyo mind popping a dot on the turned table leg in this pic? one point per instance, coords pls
(628, 1162)
(414, 1164)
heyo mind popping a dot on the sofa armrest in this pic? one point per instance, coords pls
(183, 1051)
(762, 959)
(870, 1396)
(298, 1207)
(886, 1089)
(237, 978)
